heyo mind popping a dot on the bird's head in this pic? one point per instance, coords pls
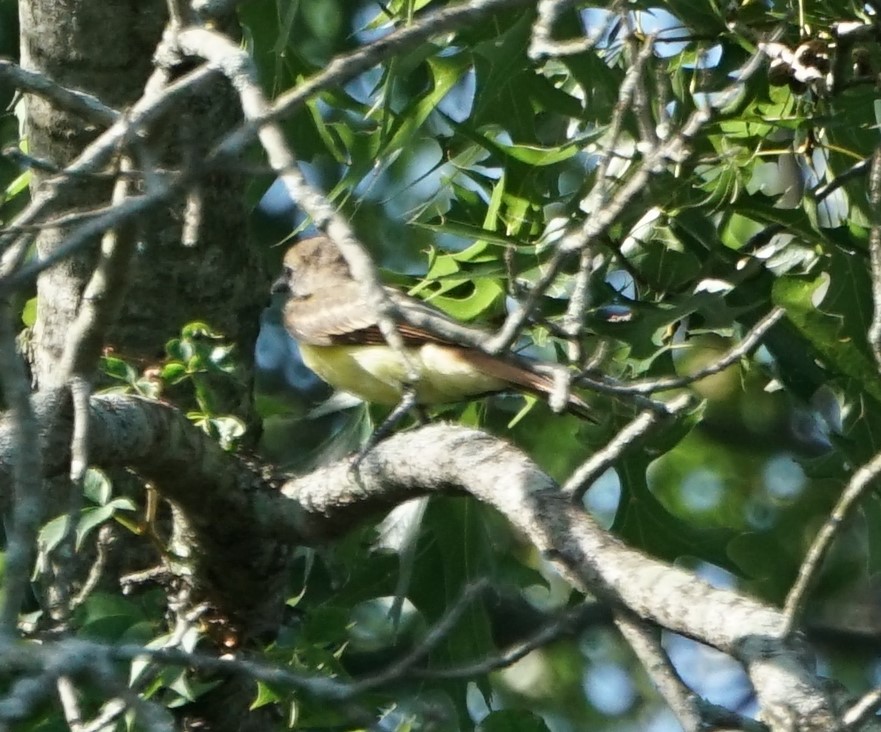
(310, 265)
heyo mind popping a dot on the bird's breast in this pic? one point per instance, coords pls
(377, 373)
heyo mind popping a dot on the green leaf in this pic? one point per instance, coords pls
(795, 221)
(750, 552)
(535, 155)
(91, 518)
(97, 486)
(107, 617)
(118, 369)
(228, 430)
(643, 521)
(51, 534)
(457, 549)
(265, 695)
(826, 331)
(198, 329)
(173, 372)
(17, 186)
(175, 349)
(29, 313)
(512, 720)
(471, 231)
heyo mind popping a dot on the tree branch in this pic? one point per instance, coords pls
(85, 105)
(445, 458)
(646, 644)
(242, 530)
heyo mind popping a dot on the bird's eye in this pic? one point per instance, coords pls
(288, 271)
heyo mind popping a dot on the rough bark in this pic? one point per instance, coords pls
(106, 48)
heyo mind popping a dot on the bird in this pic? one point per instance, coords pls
(330, 316)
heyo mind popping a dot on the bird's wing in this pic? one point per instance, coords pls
(345, 317)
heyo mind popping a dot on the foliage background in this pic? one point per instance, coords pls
(460, 164)
(473, 141)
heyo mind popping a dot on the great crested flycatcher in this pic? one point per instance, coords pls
(329, 315)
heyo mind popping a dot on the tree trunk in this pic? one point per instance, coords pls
(106, 48)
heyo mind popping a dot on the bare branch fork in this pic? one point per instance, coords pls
(751, 339)
(76, 657)
(86, 105)
(579, 237)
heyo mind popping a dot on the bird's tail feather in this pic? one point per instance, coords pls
(524, 375)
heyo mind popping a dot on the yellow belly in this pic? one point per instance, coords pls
(378, 374)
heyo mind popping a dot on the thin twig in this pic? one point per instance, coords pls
(103, 294)
(408, 667)
(579, 302)
(150, 714)
(646, 644)
(854, 171)
(808, 573)
(441, 630)
(111, 710)
(177, 12)
(542, 43)
(345, 67)
(560, 626)
(70, 704)
(874, 334)
(40, 666)
(613, 387)
(158, 95)
(62, 220)
(641, 97)
(626, 99)
(595, 202)
(63, 555)
(731, 356)
(591, 469)
(95, 157)
(102, 553)
(573, 320)
(582, 236)
(819, 193)
(862, 710)
(85, 105)
(83, 235)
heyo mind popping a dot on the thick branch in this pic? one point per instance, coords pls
(242, 530)
(231, 511)
(446, 458)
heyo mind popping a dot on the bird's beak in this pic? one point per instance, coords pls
(280, 285)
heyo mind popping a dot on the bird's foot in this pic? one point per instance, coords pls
(407, 403)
